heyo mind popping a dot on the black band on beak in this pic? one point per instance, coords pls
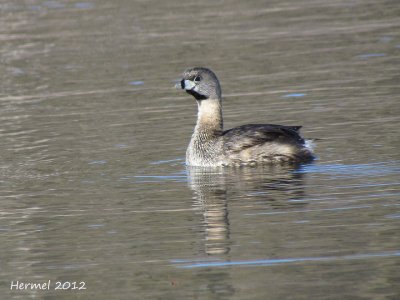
(183, 84)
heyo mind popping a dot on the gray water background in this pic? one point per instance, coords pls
(93, 185)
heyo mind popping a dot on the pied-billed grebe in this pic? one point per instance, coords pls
(251, 144)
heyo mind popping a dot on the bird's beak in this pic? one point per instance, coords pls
(185, 85)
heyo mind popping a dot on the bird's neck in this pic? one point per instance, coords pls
(209, 119)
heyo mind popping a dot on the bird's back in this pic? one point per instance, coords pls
(264, 143)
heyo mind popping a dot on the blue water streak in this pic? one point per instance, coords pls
(83, 5)
(368, 55)
(293, 95)
(373, 169)
(283, 261)
(138, 82)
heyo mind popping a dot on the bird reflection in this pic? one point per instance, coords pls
(214, 187)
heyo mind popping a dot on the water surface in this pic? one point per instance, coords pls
(92, 175)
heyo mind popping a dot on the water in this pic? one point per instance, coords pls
(92, 176)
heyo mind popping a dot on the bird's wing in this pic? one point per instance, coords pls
(246, 136)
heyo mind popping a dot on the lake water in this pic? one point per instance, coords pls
(93, 186)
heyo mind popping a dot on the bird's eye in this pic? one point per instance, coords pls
(197, 79)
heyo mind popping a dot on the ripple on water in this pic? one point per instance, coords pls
(284, 261)
(294, 95)
(148, 178)
(158, 178)
(136, 82)
(393, 216)
(53, 4)
(97, 162)
(352, 170)
(369, 55)
(174, 161)
(84, 5)
(386, 39)
(310, 210)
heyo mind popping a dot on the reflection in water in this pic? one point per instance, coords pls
(276, 186)
(211, 196)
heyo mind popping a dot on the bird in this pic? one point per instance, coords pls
(246, 145)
